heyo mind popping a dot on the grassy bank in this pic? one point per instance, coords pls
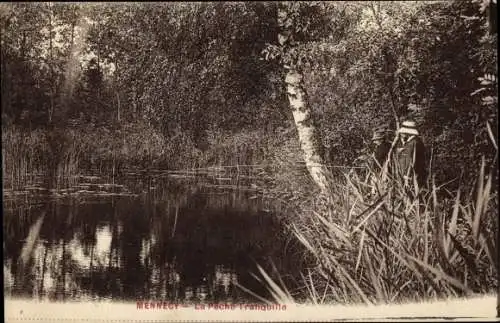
(388, 247)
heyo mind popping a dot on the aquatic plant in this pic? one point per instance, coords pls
(390, 247)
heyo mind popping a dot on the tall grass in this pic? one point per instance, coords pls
(30, 154)
(21, 158)
(384, 242)
(61, 154)
(242, 148)
(64, 153)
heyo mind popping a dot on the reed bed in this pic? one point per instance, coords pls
(243, 148)
(378, 242)
(29, 155)
(64, 153)
(21, 158)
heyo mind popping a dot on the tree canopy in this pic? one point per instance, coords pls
(193, 67)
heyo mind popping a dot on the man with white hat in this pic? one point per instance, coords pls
(410, 154)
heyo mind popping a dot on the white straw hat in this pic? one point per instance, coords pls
(408, 127)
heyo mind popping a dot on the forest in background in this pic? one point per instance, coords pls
(105, 87)
(160, 84)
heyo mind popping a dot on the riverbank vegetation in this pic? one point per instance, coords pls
(390, 247)
(102, 88)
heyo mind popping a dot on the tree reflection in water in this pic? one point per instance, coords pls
(168, 244)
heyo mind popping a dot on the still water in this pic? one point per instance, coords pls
(143, 238)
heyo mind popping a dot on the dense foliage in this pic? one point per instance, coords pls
(170, 65)
(184, 85)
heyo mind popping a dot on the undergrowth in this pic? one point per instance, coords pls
(384, 242)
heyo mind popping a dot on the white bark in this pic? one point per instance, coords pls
(301, 111)
(306, 130)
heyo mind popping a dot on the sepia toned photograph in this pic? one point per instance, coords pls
(250, 161)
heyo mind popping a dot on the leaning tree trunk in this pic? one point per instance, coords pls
(308, 135)
(297, 97)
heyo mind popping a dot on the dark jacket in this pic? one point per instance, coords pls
(410, 159)
(381, 154)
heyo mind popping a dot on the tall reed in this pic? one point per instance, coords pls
(22, 157)
(382, 241)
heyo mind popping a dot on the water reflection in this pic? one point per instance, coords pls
(176, 242)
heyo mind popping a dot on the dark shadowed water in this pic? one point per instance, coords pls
(146, 238)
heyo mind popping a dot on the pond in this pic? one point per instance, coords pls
(143, 238)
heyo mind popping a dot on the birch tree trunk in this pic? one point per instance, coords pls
(297, 97)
